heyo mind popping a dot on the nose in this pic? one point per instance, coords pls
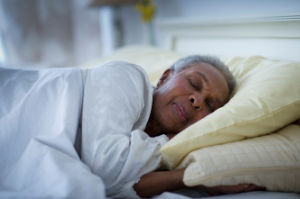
(196, 101)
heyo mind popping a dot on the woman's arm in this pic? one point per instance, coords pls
(229, 189)
(157, 182)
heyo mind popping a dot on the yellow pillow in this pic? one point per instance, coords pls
(271, 161)
(155, 61)
(267, 98)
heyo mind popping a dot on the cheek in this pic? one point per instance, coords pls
(173, 89)
(178, 87)
(200, 115)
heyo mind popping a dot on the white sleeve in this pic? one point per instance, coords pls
(115, 99)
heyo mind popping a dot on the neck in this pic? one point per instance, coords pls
(152, 127)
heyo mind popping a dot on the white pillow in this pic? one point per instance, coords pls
(155, 61)
(267, 98)
(271, 161)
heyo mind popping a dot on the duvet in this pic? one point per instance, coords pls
(40, 115)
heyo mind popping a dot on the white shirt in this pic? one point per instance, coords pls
(116, 108)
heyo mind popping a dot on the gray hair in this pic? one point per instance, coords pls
(213, 61)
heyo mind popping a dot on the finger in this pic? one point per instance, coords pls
(253, 187)
(236, 188)
(230, 188)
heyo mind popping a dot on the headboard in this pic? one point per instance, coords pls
(276, 37)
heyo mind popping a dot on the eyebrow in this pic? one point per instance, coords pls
(202, 75)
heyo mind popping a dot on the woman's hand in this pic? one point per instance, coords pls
(157, 182)
(229, 189)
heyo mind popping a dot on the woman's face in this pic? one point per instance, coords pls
(184, 97)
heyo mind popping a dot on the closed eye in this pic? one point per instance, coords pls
(194, 85)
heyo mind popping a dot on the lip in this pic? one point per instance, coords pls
(181, 112)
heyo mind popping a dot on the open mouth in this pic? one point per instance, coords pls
(180, 112)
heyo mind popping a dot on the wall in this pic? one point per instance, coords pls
(46, 33)
(229, 8)
(136, 33)
(60, 33)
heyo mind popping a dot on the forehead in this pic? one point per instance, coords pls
(206, 68)
(214, 78)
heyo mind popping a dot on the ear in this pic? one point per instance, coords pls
(165, 76)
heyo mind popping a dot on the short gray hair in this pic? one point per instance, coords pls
(213, 61)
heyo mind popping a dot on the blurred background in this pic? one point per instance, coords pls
(59, 33)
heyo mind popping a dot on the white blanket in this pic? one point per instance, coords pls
(40, 112)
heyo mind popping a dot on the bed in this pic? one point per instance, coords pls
(275, 37)
(249, 47)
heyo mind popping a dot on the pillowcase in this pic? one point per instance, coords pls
(155, 61)
(267, 98)
(271, 161)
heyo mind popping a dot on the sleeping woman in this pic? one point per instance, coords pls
(74, 133)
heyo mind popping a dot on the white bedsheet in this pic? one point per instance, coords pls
(39, 114)
(247, 195)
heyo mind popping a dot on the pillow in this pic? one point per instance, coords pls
(267, 98)
(154, 61)
(271, 161)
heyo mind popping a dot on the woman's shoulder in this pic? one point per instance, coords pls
(120, 67)
(120, 71)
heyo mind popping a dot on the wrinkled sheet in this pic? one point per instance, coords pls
(247, 195)
(39, 114)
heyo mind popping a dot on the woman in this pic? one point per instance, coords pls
(124, 122)
(188, 91)
(192, 88)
